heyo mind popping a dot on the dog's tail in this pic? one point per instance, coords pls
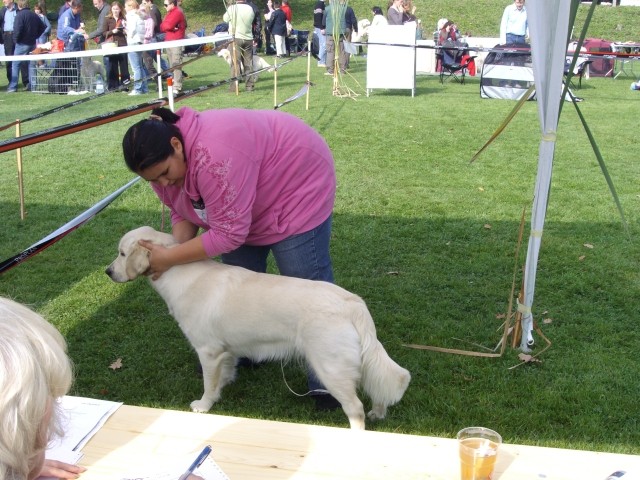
(383, 379)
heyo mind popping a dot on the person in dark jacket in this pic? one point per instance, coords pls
(318, 32)
(278, 27)
(256, 27)
(26, 30)
(98, 34)
(269, 45)
(103, 10)
(352, 26)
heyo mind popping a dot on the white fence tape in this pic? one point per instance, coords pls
(215, 39)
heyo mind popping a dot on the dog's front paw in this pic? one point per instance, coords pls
(201, 406)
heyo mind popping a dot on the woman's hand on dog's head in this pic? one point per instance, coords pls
(159, 261)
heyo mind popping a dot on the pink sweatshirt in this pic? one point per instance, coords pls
(263, 176)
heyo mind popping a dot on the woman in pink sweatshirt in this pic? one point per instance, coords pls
(255, 181)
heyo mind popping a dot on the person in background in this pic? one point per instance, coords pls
(41, 11)
(34, 372)
(449, 31)
(408, 11)
(269, 48)
(149, 37)
(135, 30)
(395, 12)
(335, 25)
(103, 10)
(118, 72)
(268, 187)
(318, 32)
(450, 37)
(70, 22)
(278, 28)
(174, 26)
(240, 18)
(27, 28)
(64, 7)
(286, 8)
(256, 27)
(514, 27)
(149, 57)
(155, 13)
(378, 17)
(7, 16)
(351, 26)
(98, 34)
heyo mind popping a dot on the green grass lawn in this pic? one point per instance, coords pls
(423, 235)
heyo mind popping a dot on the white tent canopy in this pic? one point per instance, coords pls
(548, 27)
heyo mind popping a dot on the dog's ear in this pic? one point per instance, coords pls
(138, 261)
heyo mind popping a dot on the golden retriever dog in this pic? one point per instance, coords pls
(228, 312)
(258, 63)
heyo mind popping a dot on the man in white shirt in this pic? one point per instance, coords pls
(514, 26)
(240, 19)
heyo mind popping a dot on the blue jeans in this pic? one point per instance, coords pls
(512, 38)
(305, 255)
(139, 85)
(322, 46)
(20, 49)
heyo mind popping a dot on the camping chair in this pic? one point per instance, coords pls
(194, 50)
(457, 71)
(579, 71)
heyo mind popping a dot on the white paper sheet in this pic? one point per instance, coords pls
(82, 418)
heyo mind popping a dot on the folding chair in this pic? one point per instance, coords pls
(457, 71)
(579, 71)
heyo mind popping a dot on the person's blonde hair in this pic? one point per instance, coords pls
(34, 371)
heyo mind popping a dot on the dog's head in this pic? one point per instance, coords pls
(133, 259)
(226, 55)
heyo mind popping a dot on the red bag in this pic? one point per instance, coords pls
(57, 46)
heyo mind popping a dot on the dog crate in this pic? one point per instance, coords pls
(64, 76)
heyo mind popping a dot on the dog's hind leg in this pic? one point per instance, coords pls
(345, 393)
(217, 371)
(340, 375)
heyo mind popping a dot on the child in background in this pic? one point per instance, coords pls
(135, 29)
(149, 36)
(42, 13)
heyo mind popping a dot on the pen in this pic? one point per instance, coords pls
(197, 462)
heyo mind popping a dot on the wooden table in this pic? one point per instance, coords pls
(260, 449)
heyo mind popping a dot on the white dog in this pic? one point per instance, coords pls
(361, 34)
(258, 63)
(229, 312)
(90, 68)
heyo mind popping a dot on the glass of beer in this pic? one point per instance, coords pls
(478, 452)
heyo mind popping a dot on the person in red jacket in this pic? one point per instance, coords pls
(284, 6)
(174, 26)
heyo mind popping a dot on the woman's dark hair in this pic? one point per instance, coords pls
(149, 141)
(376, 10)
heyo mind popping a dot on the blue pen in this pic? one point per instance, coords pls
(196, 463)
